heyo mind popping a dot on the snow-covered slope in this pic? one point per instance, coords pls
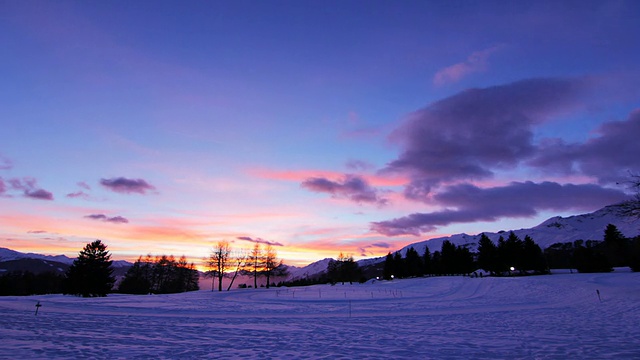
(557, 229)
(561, 316)
(309, 270)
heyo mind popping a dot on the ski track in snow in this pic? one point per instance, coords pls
(541, 317)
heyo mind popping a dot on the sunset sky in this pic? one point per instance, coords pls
(317, 126)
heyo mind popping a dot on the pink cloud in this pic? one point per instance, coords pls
(476, 62)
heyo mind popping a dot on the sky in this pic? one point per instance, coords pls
(318, 127)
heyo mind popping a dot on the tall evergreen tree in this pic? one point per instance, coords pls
(389, 267)
(426, 262)
(448, 260)
(413, 263)
(400, 265)
(91, 272)
(616, 246)
(487, 254)
(532, 257)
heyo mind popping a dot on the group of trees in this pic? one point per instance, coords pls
(160, 275)
(344, 269)
(597, 256)
(20, 283)
(525, 256)
(259, 261)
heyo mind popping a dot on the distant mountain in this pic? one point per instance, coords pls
(310, 270)
(8, 254)
(35, 266)
(557, 229)
(11, 260)
(554, 230)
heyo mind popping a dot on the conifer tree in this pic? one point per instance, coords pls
(616, 246)
(487, 254)
(426, 262)
(413, 263)
(90, 275)
(389, 267)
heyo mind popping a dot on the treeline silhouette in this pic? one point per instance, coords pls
(596, 256)
(160, 275)
(20, 283)
(524, 256)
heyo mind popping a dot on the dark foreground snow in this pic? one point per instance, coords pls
(543, 317)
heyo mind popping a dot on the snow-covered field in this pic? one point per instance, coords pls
(542, 317)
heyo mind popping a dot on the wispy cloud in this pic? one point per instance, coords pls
(78, 194)
(366, 250)
(259, 241)
(126, 186)
(105, 218)
(84, 185)
(5, 163)
(476, 62)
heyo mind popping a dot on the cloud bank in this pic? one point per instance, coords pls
(127, 186)
(473, 135)
(518, 199)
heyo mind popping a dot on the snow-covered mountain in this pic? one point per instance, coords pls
(554, 230)
(8, 254)
(557, 229)
(307, 271)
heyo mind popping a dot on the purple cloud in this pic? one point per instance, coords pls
(39, 194)
(259, 241)
(473, 133)
(5, 163)
(610, 156)
(518, 199)
(29, 188)
(352, 187)
(105, 218)
(127, 186)
(3, 187)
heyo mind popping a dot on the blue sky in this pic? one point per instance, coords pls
(323, 126)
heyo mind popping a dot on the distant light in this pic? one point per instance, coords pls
(392, 276)
(512, 268)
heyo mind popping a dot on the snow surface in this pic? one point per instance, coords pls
(540, 317)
